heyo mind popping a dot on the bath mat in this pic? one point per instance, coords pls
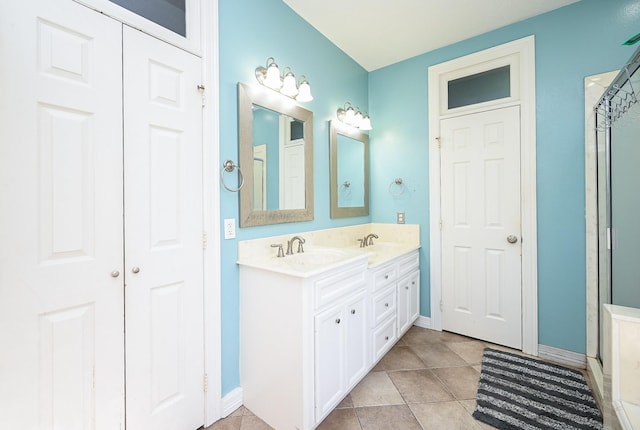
(517, 392)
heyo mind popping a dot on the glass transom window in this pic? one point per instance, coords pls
(481, 87)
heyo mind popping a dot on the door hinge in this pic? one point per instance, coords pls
(201, 88)
(205, 382)
(204, 240)
(441, 306)
(439, 142)
(441, 223)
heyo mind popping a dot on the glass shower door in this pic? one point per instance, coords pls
(625, 205)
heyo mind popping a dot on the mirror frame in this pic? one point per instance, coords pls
(248, 96)
(335, 128)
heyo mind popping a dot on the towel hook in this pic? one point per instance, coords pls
(230, 166)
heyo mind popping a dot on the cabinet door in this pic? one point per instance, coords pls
(356, 347)
(408, 291)
(329, 362)
(414, 296)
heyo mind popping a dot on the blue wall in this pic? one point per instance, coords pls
(251, 31)
(571, 43)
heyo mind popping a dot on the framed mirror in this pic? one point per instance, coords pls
(276, 157)
(349, 157)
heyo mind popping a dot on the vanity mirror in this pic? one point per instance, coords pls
(349, 153)
(276, 155)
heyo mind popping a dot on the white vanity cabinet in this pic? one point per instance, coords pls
(304, 341)
(408, 288)
(341, 346)
(395, 290)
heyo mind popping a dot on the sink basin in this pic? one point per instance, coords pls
(315, 257)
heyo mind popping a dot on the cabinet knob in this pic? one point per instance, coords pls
(386, 276)
(386, 305)
(115, 274)
(337, 320)
(386, 338)
(136, 270)
(406, 287)
(353, 311)
(413, 282)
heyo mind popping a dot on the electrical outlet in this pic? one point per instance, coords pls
(400, 218)
(230, 228)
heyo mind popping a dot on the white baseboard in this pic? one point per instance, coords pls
(231, 402)
(424, 322)
(562, 356)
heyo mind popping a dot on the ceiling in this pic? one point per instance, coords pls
(376, 33)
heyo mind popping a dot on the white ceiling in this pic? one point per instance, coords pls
(376, 33)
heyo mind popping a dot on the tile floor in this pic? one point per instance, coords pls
(428, 380)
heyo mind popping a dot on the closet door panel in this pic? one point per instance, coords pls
(61, 296)
(163, 226)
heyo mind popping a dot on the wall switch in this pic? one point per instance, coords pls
(400, 217)
(230, 228)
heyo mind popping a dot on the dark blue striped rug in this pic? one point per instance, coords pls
(517, 392)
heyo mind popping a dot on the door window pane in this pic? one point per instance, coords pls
(167, 13)
(482, 87)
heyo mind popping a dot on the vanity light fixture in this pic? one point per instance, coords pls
(286, 84)
(354, 117)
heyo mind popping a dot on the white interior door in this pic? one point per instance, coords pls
(163, 226)
(481, 253)
(61, 288)
(292, 175)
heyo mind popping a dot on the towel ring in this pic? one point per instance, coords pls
(230, 166)
(398, 183)
(345, 187)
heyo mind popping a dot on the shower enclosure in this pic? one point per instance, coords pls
(618, 191)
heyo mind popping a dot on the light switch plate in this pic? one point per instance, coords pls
(400, 218)
(230, 228)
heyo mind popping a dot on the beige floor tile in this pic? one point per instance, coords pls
(345, 403)
(462, 382)
(419, 386)
(251, 422)
(447, 336)
(437, 355)
(470, 351)
(341, 419)
(443, 416)
(229, 423)
(468, 405)
(418, 336)
(375, 389)
(387, 417)
(401, 358)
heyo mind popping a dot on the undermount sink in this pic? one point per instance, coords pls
(316, 257)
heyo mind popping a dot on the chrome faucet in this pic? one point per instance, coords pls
(279, 246)
(290, 244)
(368, 239)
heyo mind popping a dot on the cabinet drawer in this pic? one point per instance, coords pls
(338, 284)
(383, 338)
(384, 277)
(384, 304)
(408, 263)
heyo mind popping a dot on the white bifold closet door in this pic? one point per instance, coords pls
(61, 295)
(67, 251)
(163, 235)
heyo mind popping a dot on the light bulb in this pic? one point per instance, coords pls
(304, 92)
(289, 85)
(366, 123)
(272, 79)
(349, 115)
(357, 119)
